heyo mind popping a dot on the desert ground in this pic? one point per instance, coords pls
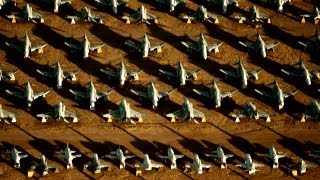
(92, 134)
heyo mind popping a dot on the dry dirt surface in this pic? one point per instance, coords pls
(94, 135)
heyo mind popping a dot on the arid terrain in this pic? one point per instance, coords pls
(92, 134)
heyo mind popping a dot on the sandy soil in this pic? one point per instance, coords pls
(94, 134)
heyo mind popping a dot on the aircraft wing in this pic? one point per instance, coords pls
(105, 2)
(163, 157)
(154, 47)
(198, 114)
(80, 94)
(214, 46)
(68, 114)
(47, 74)
(263, 16)
(163, 94)
(178, 113)
(248, 45)
(115, 113)
(263, 93)
(46, 115)
(133, 45)
(228, 93)
(135, 114)
(257, 164)
(110, 72)
(290, 73)
(132, 74)
(65, 1)
(92, 48)
(139, 93)
(263, 114)
(73, 46)
(156, 165)
(290, 93)
(70, 74)
(229, 73)
(179, 156)
(6, 114)
(191, 46)
(151, 17)
(206, 166)
(167, 73)
(271, 45)
(17, 94)
(36, 15)
(38, 47)
(129, 156)
(254, 73)
(14, 46)
(44, 93)
(202, 93)
(193, 74)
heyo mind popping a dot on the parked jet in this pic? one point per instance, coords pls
(4, 2)
(280, 4)
(145, 46)
(260, 46)
(58, 3)
(187, 112)
(119, 155)
(202, 14)
(303, 73)
(92, 96)
(172, 157)
(95, 165)
(215, 95)
(28, 95)
(219, 153)
(121, 74)
(152, 94)
(254, 16)
(273, 154)
(27, 14)
(25, 47)
(141, 15)
(59, 113)
(250, 111)
(67, 154)
(249, 165)
(44, 167)
(181, 74)
(277, 94)
(7, 115)
(171, 3)
(202, 46)
(197, 164)
(302, 166)
(8, 75)
(312, 112)
(223, 4)
(241, 74)
(147, 164)
(85, 15)
(313, 44)
(59, 75)
(114, 4)
(315, 15)
(85, 46)
(124, 113)
(16, 157)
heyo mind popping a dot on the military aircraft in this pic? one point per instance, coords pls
(315, 154)
(145, 46)
(85, 15)
(312, 112)
(202, 14)
(250, 111)
(91, 96)
(58, 75)
(280, 4)
(315, 15)
(16, 157)
(172, 157)
(254, 16)
(59, 113)
(67, 154)
(27, 14)
(95, 165)
(187, 112)
(260, 46)
(25, 47)
(273, 154)
(223, 4)
(313, 44)
(241, 74)
(152, 94)
(4, 2)
(43, 166)
(202, 46)
(28, 95)
(7, 115)
(219, 153)
(58, 3)
(277, 94)
(197, 164)
(114, 4)
(171, 3)
(302, 166)
(147, 164)
(181, 74)
(121, 74)
(85, 46)
(141, 15)
(124, 113)
(249, 165)
(303, 73)
(119, 155)
(214, 94)
(8, 75)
